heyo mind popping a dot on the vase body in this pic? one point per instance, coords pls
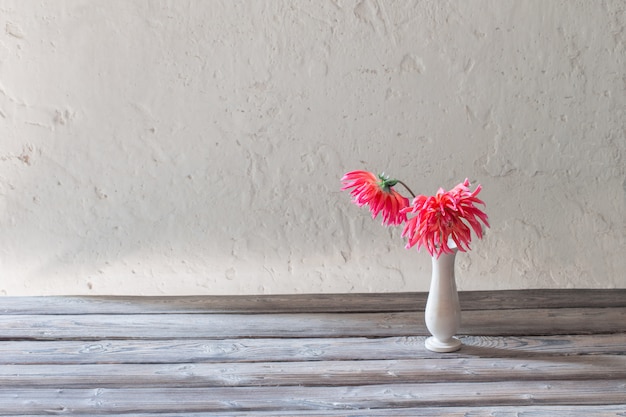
(443, 311)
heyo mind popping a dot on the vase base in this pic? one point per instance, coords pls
(436, 345)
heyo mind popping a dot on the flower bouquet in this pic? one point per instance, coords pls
(441, 223)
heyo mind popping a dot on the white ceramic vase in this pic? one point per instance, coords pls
(443, 311)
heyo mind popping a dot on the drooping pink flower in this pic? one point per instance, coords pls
(447, 214)
(377, 192)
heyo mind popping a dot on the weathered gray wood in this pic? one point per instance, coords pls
(334, 373)
(266, 350)
(98, 401)
(562, 356)
(544, 321)
(217, 326)
(505, 411)
(310, 303)
(210, 326)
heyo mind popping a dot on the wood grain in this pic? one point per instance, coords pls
(525, 353)
(313, 349)
(502, 411)
(310, 303)
(303, 325)
(104, 400)
(322, 373)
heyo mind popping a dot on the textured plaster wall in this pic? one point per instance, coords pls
(191, 147)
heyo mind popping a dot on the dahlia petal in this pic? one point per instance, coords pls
(446, 215)
(367, 189)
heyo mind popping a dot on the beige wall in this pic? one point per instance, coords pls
(192, 147)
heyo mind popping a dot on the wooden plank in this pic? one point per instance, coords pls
(207, 361)
(310, 303)
(170, 400)
(542, 298)
(211, 326)
(319, 349)
(326, 373)
(544, 321)
(519, 346)
(506, 411)
(217, 326)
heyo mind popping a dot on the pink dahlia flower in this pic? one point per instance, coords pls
(378, 193)
(447, 214)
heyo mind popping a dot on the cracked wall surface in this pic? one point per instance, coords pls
(188, 147)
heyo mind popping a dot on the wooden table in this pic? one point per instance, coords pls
(525, 353)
